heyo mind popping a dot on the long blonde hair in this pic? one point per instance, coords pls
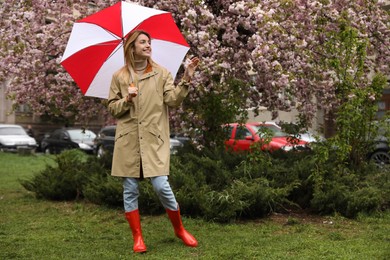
(127, 72)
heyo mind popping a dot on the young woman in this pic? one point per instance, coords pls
(140, 94)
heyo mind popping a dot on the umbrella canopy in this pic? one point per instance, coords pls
(95, 47)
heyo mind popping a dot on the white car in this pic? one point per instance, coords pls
(14, 137)
(175, 145)
(311, 138)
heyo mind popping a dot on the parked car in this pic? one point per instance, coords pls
(241, 137)
(311, 138)
(14, 137)
(380, 155)
(381, 151)
(175, 145)
(68, 138)
(307, 136)
(105, 142)
(180, 137)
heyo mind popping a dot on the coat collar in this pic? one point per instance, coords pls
(148, 74)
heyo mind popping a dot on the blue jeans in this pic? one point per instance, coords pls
(161, 187)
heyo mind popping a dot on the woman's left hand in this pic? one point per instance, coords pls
(190, 67)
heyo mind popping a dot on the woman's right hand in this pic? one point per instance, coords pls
(133, 91)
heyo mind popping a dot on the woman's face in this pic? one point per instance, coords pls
(142, 48)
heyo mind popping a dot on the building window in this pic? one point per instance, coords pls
(384, 104)
(23, 109)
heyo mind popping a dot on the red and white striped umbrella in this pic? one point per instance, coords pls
(95, 47)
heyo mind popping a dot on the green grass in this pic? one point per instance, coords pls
(38, 229)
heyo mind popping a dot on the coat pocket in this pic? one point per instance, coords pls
(120, 133)
(155, 138)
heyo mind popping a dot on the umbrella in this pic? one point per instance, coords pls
(95, 47)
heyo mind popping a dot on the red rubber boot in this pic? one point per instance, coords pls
(135, 225)
(180, 232)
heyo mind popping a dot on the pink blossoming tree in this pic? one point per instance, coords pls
(34, 36)
(278, 54)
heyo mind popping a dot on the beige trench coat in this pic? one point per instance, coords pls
(142, 132)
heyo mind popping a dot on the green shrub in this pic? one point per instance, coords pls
(64, 181)
(366, 200)
(338, 187)
(221, 186)
(75, 175)
(103, 189)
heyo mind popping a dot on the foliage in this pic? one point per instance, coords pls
(340, 172)
(103, 189)
(260, 183)
(355, 127)
(34, 36)
(338, 185)
(211, 111)
(349, 194)
(254, 53)
(66, 179)
(357, 96)
(287, 46)
(222, 186)
(74, 176)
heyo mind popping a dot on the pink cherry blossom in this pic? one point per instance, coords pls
(283, 43)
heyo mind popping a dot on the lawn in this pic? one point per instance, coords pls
(38, 229)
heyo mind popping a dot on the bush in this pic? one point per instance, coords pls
(64, 181)
(260, 183)
(220, 186)
(103, 189)
(76, 176)
(351, 192)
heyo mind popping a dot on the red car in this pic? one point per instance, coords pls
(241, 137)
